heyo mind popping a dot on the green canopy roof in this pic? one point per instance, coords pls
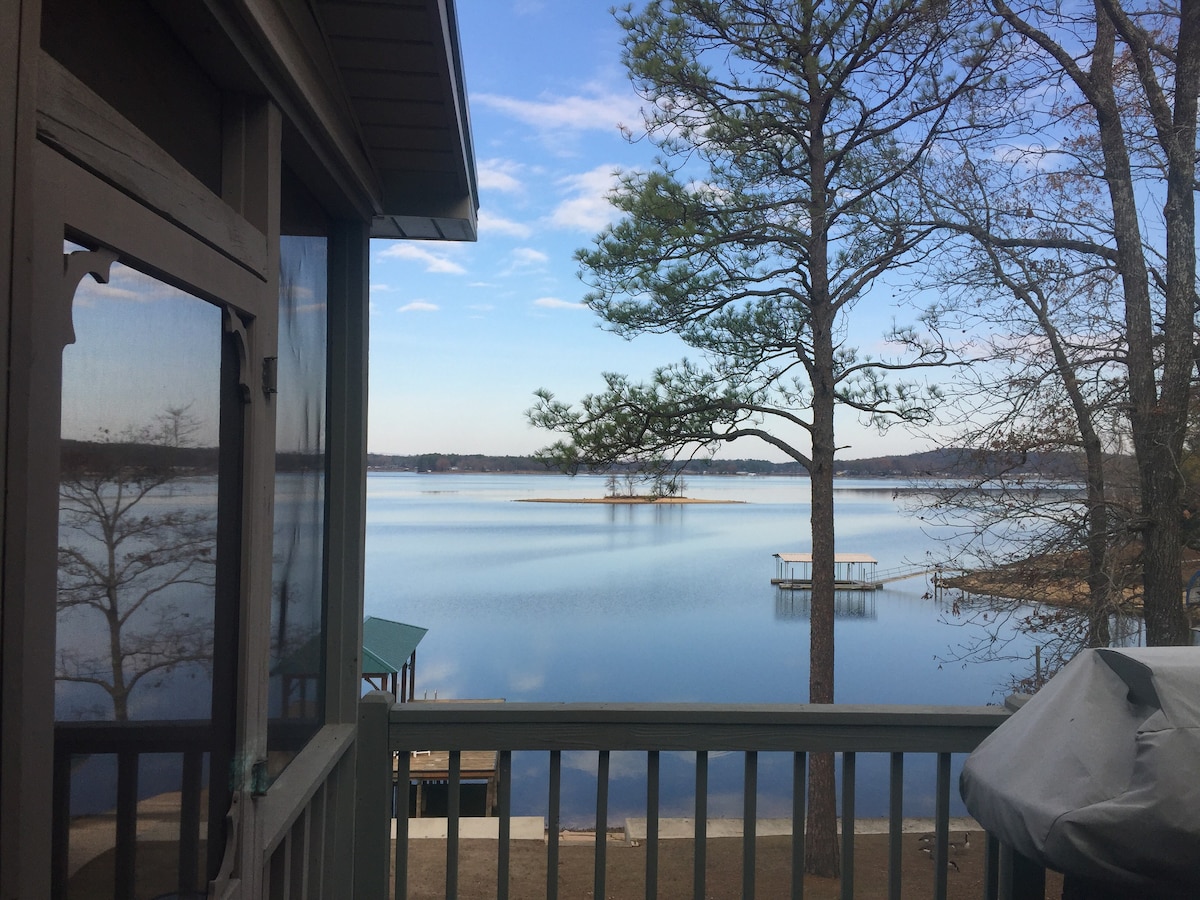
(387, 645)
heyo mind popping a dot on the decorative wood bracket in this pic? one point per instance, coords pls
(225, 885)
(76, 265)
(234, 326)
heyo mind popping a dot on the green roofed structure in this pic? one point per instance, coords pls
(390, 655)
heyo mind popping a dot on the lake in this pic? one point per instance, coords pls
(646, 603)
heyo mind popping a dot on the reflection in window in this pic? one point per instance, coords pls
(297, 647)
(136, 596)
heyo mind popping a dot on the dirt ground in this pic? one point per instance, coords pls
(624, 872)
(626, 868)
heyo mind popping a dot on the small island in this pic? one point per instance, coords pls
(630, 487)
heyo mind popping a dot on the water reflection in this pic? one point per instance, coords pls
(297, 665)
(846, 604)
(643, 603)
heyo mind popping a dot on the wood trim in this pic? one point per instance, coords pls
(304, 93)
(346, 447)
(345, 505)
(252, 168)
(662, 726)
(26, 624)
(282, 805)
(75, 121)
(113, 219)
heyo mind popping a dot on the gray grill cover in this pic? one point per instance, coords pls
(1098, 775)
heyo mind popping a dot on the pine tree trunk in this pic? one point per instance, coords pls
(822, 855)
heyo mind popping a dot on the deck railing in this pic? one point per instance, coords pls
(128, 743)
(388, 733)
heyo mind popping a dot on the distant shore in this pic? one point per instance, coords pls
(626, 501)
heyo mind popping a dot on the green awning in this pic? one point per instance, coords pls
(388, 645)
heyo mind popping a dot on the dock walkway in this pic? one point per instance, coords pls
(852, 572)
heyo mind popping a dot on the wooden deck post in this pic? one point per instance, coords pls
(373, 799)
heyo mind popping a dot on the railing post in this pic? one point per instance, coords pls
(373, 799)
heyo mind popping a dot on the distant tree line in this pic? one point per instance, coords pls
(940, 463)
(455, 462)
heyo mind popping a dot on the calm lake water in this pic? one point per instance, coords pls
(596, 602)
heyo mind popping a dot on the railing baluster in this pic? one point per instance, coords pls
(453, 804)
(1005, 873)
(799, 813)
(652, 795)
(1028, 878)
(699, 854)
(749, 824)
(942, 829)
(61, 798)
(277, 870)
(403, 760)
(505, 804)
(318, 831)
(297, 868)
(991, 868)
(126, 854)
(895, 825)
(552, 824)
(191, 783)
(848, 773)
(601, 824)
(605, 728)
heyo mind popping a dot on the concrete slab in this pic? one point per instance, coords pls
(668, 829)
(522, 828)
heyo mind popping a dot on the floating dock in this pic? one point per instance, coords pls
(851, 572)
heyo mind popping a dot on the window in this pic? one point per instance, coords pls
(137, 585)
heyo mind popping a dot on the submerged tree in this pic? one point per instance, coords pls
(787, 134)
(130, 557)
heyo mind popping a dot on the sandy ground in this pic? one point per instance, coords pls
(626, 866)
(625, 870)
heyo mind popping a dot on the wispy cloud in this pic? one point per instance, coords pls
(527, 257)
(586, 208)
(556, 303)
(621, 763)
(493, 225)
(597, 109)
(419, 306)
(500, 175)
(433, 262)
(527, 682)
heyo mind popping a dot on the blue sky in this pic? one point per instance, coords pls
(462, 334)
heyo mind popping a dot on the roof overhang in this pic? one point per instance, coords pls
(373, 98)
(401, 70)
